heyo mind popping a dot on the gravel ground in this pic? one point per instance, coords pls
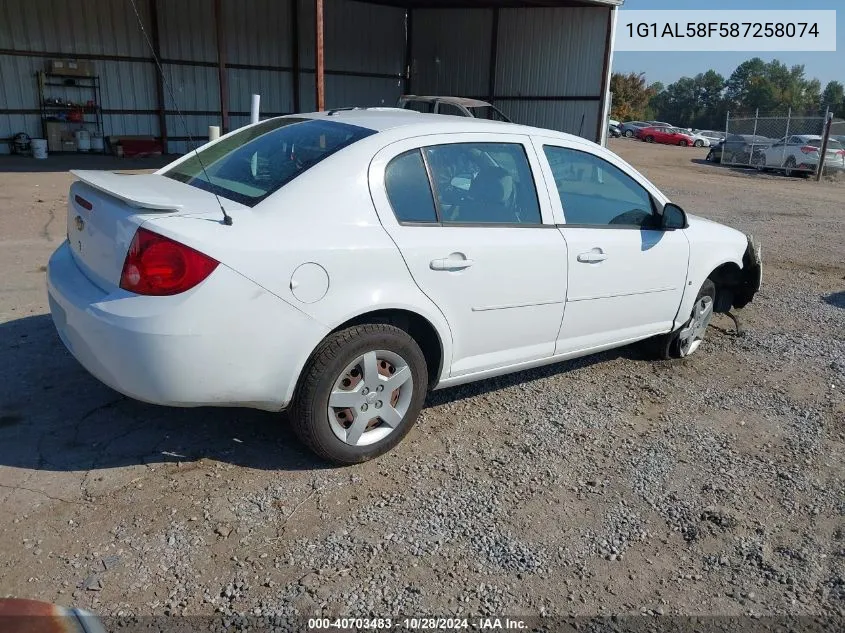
(607, 485)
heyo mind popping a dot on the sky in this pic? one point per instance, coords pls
(669, 68)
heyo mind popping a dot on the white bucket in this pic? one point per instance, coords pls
(97, 143)
(39, 148)
(83, 140)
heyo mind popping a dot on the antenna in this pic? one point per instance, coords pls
(227, 219)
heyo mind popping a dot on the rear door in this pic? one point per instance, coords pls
(626, 275)
(474, 224)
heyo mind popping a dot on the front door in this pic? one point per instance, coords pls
(478, 237)
(626, 276)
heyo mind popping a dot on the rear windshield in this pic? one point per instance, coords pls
(831, 143)
(252, 164)
(488, 112)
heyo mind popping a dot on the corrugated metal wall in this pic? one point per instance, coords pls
(550, 53)
(553, 55)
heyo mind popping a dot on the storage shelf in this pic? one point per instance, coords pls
(92, 117)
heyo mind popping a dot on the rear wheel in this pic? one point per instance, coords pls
(685, 341)
(360, 393)
(683, 143)
(629, 133)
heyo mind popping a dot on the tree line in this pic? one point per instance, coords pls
(703, 101)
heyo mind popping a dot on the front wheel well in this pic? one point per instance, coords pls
(418, 327)
(727, 278)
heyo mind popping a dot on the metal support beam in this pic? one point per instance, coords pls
(294, 54)
(494, 54)
(319, 57)
(409, 50)
(161, 105)
(604, 113)
(223, 76)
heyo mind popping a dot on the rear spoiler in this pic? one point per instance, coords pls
(141, 191)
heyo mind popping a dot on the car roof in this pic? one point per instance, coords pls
(418, 123)
(461, 101)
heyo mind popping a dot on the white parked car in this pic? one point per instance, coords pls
(699, 140)
(712, 136)
(341, 265)
(799, 153)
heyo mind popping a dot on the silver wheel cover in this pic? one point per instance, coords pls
(692, 333)
(370, 398)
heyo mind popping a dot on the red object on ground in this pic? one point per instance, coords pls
(141, 147)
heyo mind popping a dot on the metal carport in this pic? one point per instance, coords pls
(542, 62)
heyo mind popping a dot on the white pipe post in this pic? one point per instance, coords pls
(254, 108)
(213, 132)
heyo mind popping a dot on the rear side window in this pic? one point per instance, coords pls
(426, 107)
(254, 163)
(483, 183)
(408, 188)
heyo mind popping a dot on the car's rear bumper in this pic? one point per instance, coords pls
(227, 342)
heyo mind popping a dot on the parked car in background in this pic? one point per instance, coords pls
(660, 124)
(630, 128)
(739, 148)
(665, 135)
(454, 106)
(799, 153)
(341, 264)
(698, 140)
(711, 135)
(614, 131)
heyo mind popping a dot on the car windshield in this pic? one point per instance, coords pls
(488, 112)
(259, 160)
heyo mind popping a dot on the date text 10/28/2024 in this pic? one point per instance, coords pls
(416, 624)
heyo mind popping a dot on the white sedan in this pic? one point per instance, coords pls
(340, 265)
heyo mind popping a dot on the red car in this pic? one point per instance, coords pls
(665, 135)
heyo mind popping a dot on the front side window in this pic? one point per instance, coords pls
(594, 192)
(258, 161)
(487, 183)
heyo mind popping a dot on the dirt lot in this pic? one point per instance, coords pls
(612, 484)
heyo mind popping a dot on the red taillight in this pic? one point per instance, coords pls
(809, 149)
(156, 265)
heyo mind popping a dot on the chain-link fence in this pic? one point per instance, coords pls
(788, 144)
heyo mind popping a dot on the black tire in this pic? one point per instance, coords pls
(699, 143)
(649, 139)
(683, 143)
(667, 346)
(310, 402)
(789, 167)
(629, 133)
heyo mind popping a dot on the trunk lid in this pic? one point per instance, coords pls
(105, 210)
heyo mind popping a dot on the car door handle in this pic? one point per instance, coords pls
(591, 257)
(448, 263)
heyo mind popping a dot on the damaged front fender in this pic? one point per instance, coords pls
(751, 276)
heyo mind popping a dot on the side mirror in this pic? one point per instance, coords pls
(674, 217)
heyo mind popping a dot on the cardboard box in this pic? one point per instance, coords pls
(68, 146)
(71, 67)
(54, 131)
